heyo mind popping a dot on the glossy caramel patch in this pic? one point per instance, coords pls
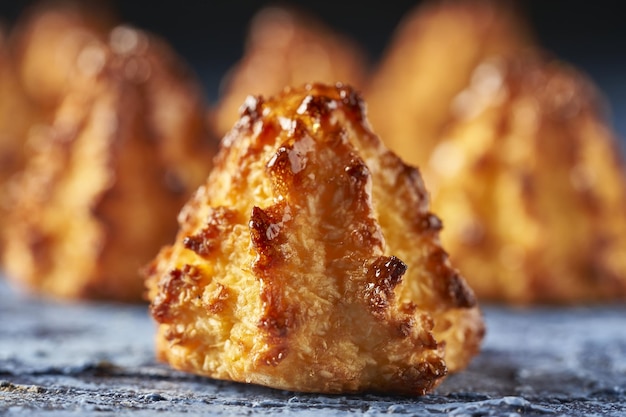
(175, 283)
(385, 273)
(205, 241)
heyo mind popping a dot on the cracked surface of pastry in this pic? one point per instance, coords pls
(287, 47)
(309, 261)
(100, 194)
(429, 60)
(531, 184)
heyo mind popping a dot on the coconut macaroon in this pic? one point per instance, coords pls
(37, 58)
(429, 60)
(17, 114)
(287, 47)
(531, 184)
(309, 261)
(47, 41)
(99, 197)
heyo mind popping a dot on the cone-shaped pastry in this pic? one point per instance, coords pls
(37, 62)
(14, 113)
(286, 47)
(429, 61)
(16, 116)
(531, 185)
(310, 262)
(174, 99)
(100, 195)
(48, 39)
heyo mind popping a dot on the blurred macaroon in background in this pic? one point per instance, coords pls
(511, 110)
(211, 35)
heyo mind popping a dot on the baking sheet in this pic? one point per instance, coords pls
(98, 359)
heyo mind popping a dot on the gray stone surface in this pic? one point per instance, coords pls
(98, 359)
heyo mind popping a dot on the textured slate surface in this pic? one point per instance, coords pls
(98, 359)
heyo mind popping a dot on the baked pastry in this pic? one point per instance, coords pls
(127, 146)
(309, 260)
(287, 47)
(430, 59)
(38, 59)
(531, 185)
(17, 114)
(47, 41)
(12, 124)
(175, 104)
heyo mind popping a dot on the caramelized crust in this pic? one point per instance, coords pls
(100, 195)
(429, 61)
(531, 185)
(309, 260)
(287, 47)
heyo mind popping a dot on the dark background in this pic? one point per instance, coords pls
(210, 34)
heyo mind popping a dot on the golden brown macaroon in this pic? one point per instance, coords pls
(101, 194)
(17, 114)
(47, 41)
(429, 61)
(175, 103)
(287, 47)
(309, 260)
(38, 59)
(531, 185)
